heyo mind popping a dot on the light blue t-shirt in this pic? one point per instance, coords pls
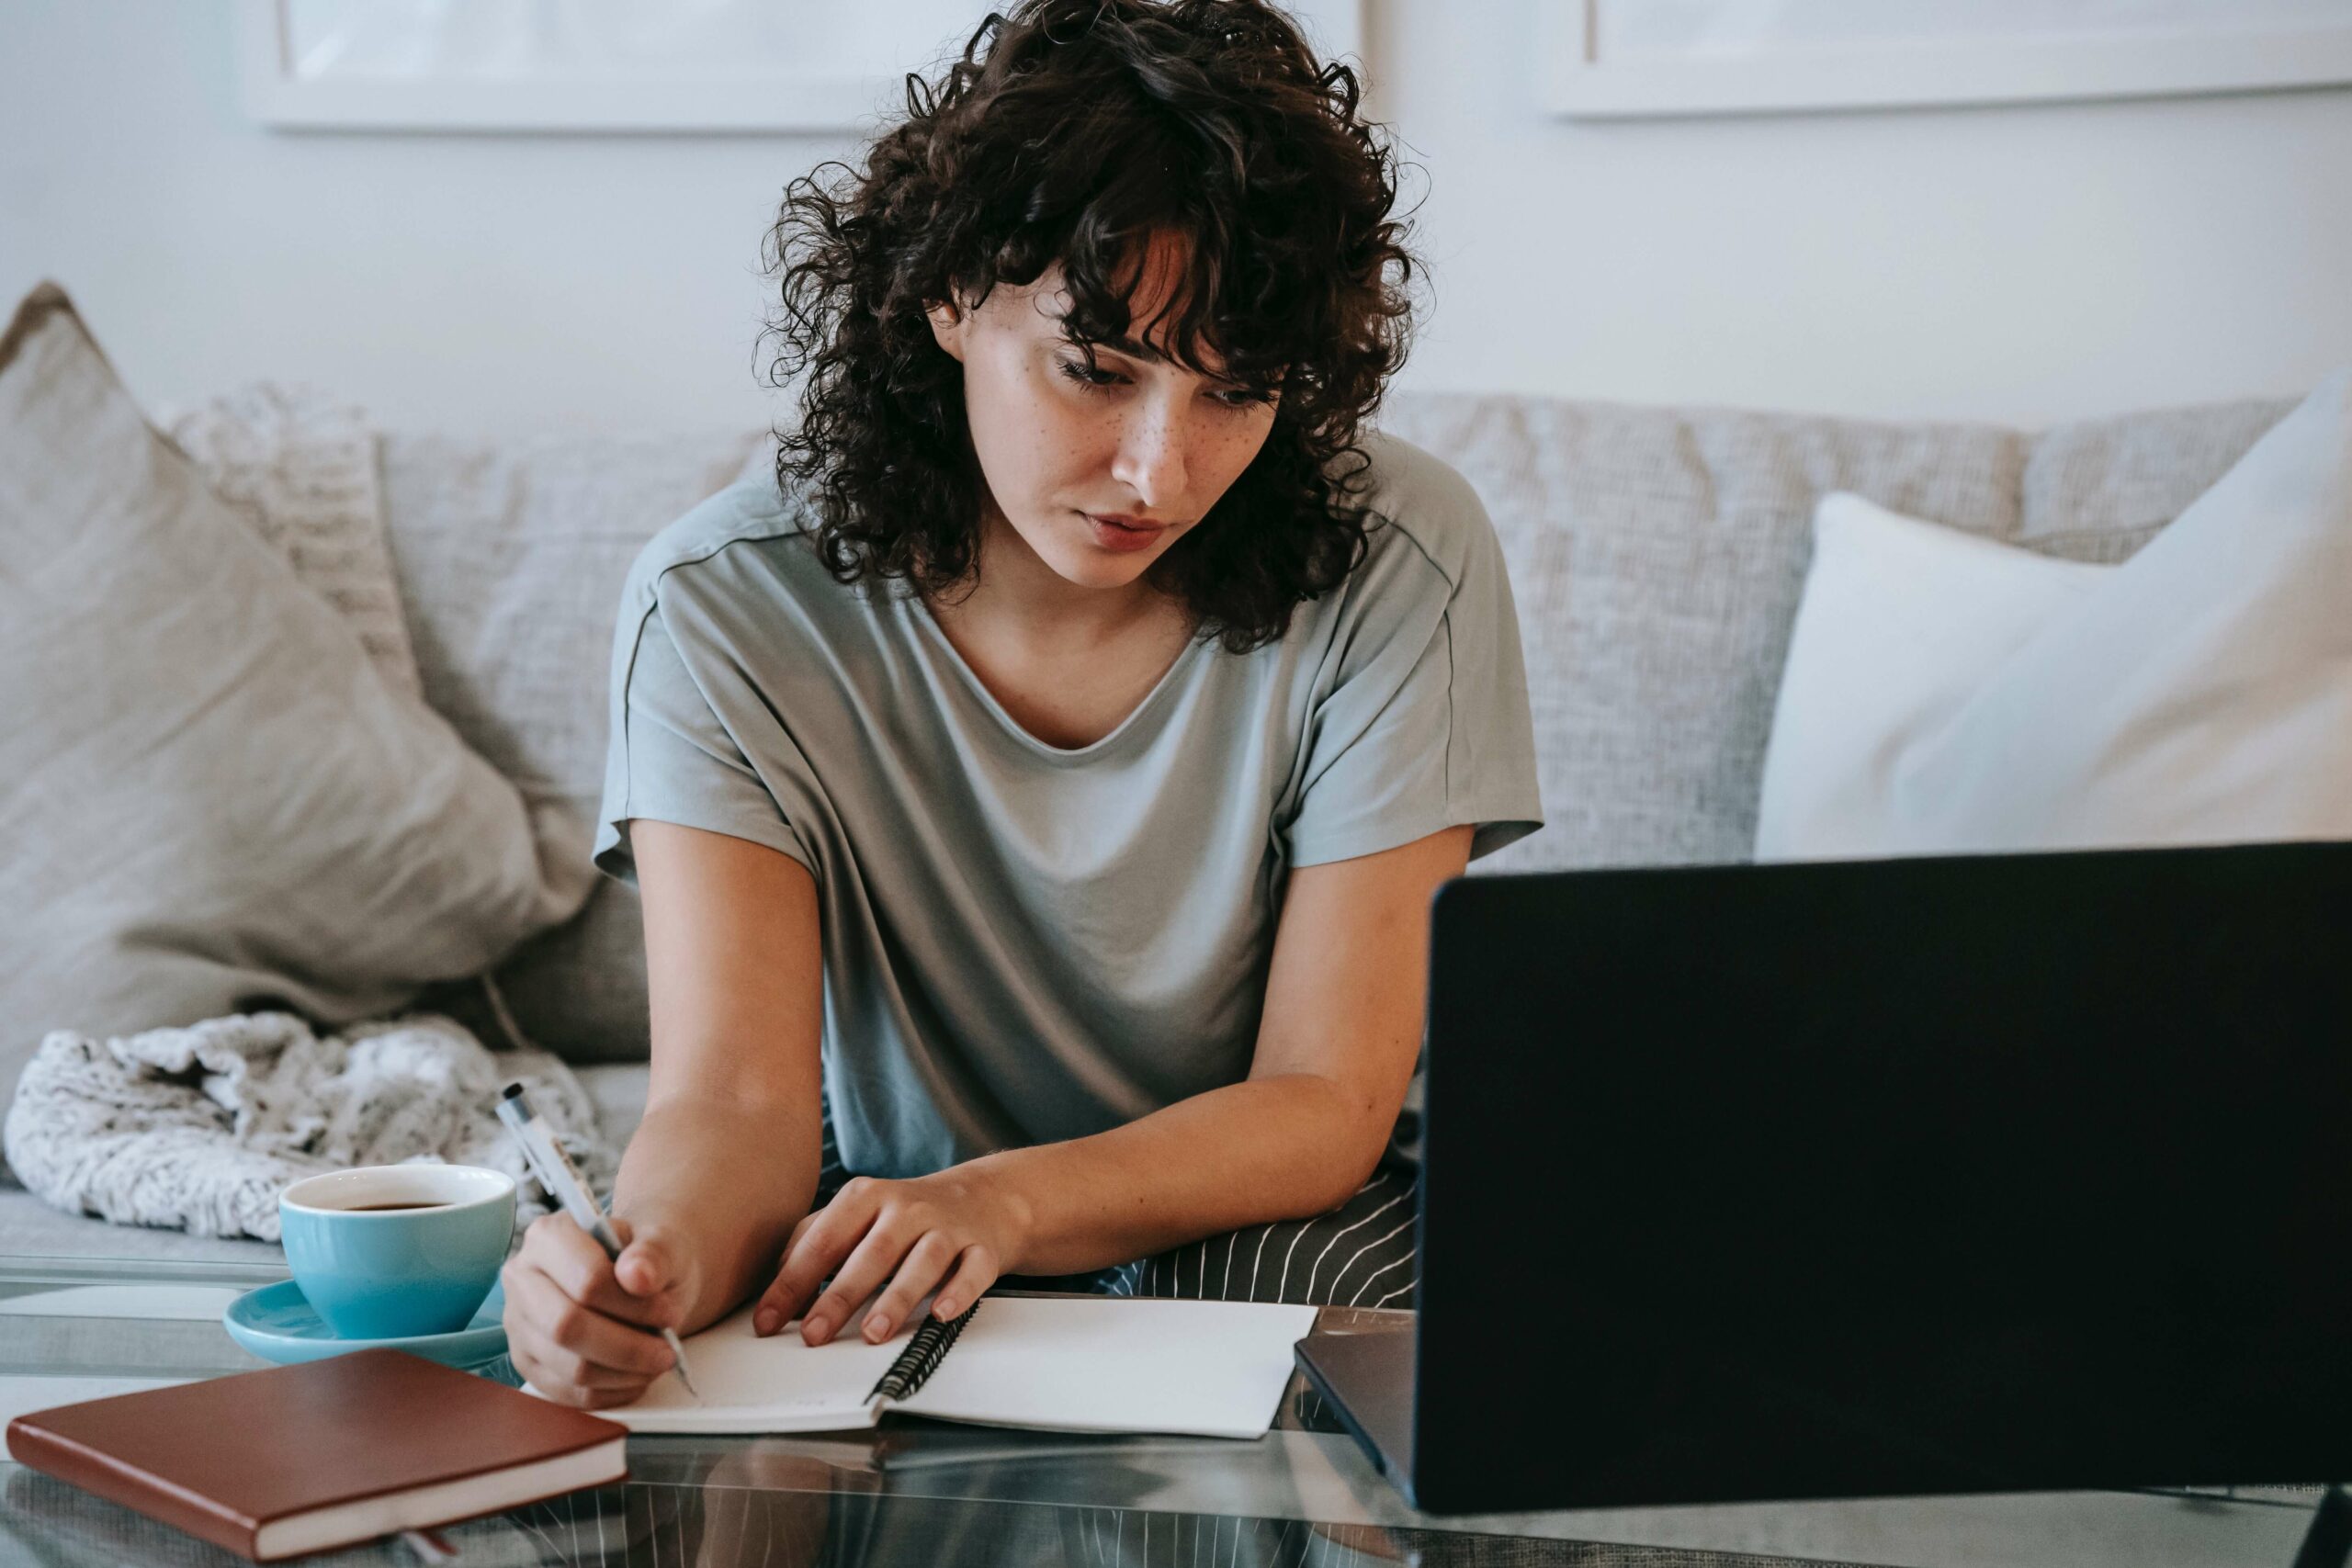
(1024, 943)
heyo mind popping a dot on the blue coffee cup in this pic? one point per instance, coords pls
(387, 1251)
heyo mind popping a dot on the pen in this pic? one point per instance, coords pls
(553, 1168)
(430, 1546)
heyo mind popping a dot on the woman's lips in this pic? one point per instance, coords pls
(1112, 535)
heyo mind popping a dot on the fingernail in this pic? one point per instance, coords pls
(817, 1330)
(942, 1309)
(877, 1329)
(763, 1320)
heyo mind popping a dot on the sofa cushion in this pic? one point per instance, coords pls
(1658, 554)
(2199, 693)
(2096, 489)
(510, 559)
(30, 1228)
(225, 803)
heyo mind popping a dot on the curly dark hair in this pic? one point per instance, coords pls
(1072, 132)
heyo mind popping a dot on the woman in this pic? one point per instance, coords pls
(1049, 775)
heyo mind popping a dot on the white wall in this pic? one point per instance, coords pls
(2018, 264)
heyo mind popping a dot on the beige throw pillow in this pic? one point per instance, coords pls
(214, 800)
(300, 469)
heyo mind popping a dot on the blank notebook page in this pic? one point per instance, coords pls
(1070, 1364)
(776, 1384)
(1111, 1364)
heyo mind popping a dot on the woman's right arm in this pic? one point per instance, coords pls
(725, 1162)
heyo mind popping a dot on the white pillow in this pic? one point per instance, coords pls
(1945, 693)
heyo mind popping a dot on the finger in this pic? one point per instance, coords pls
(650, 1269)
(576, 1264)
(646, 1268)
(976, 1271)
(581, 1342)
(774, 1309)
(818, 1243)
(875, 1260)
(580, 1398)
(925, 1267)
(558, 1372)
(568, 1335)
(796, 1277)
(792, 1243)
(558, 1376)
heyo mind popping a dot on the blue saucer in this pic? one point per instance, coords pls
(274, 1323)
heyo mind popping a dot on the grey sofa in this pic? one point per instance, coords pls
(1656, 554)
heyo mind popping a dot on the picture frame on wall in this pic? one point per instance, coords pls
(616, 65)
(1622, 59)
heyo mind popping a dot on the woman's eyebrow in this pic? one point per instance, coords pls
(1134, 350)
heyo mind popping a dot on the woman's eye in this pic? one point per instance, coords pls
(1094, 377)
(1086, 375)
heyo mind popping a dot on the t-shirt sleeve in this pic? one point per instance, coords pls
(1426, 726)
(671, 759)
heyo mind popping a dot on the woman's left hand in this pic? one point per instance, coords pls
(957, 1226)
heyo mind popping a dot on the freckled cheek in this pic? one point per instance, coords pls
(1225, 455)
(1030, 446)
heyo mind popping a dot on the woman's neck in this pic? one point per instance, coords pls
(1069, 664)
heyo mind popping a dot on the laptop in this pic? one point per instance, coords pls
(1977, 1174)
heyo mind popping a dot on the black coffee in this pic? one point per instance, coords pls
(367, 1208)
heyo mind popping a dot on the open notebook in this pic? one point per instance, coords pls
(1057, 1364)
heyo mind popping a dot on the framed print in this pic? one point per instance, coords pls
(614, 65)
(1625, 58)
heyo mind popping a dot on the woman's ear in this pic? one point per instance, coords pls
(947, 325)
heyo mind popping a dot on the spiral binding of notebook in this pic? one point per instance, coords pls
(922, 1355)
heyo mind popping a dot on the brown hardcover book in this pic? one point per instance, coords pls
(300, 1459)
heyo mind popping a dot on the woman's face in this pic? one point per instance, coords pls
(1098, 470)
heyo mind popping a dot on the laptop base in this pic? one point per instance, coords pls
(1368, 1381)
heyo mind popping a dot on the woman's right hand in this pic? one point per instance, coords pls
(583, 1327)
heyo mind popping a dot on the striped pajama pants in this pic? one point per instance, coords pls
(1361, 1254)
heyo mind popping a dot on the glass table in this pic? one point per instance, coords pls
(922, 1493)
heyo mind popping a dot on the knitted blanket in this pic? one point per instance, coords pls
(199, 1128)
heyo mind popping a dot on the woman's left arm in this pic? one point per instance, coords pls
(1341, 1031)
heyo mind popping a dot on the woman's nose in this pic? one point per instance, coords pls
(1151, 459)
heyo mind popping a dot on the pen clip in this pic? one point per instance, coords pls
(559, 1178)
